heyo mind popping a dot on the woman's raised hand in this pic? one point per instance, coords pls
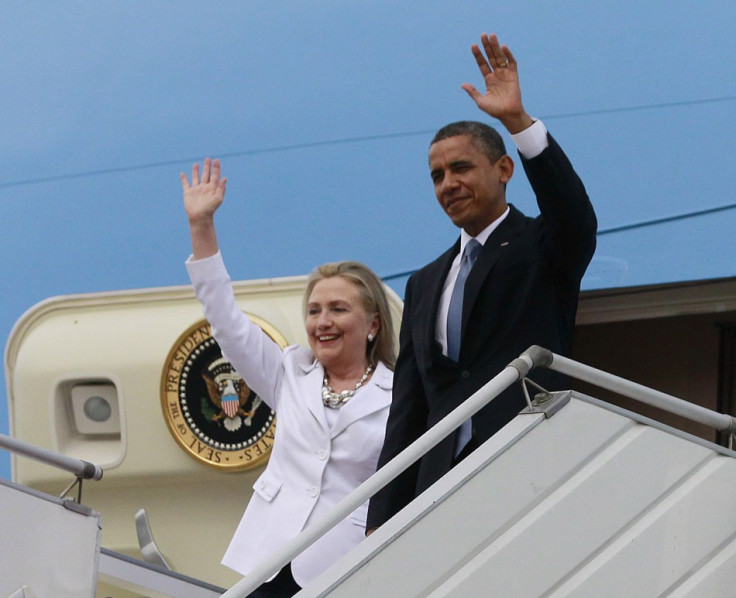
(204, 194)
(202, 197)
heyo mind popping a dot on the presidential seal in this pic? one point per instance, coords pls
(210, 411)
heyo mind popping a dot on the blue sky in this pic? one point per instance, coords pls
(322, 112)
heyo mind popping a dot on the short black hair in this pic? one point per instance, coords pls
(485, 138)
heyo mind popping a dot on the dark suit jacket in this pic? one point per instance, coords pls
(523, 290)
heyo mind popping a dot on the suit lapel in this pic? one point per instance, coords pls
(501, 240)
(314, 375)
(375, 396)
(434, 283)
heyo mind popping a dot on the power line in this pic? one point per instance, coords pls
(344, 141)
(642, 107)
(253, 152)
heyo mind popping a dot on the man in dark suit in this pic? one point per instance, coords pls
(522, 289)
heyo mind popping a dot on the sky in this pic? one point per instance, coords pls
(322, 113)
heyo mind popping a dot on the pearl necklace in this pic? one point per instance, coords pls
(335, 400)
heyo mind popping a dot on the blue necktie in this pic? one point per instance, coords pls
(455, 322)
(455, 311)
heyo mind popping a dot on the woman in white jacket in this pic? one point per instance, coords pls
(331, 399)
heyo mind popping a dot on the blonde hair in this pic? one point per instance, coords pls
(374, 300)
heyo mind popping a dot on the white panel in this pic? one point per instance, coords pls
(668, 542)
(716, 573)
(47, 548)
(597, 503)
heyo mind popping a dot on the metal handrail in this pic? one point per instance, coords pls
(719, 421)
(82, 469)
(517, 370)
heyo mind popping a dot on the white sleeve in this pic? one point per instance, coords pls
(253, 354)
(532, 141)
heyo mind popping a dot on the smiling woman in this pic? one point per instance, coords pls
(328, 398)
(364, 294)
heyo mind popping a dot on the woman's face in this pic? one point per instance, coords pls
(338, 325)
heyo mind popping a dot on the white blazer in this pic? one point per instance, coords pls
(313, 464)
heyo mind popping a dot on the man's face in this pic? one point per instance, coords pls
(470, 189)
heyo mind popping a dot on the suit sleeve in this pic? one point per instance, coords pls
(568, 217)
(407, 421)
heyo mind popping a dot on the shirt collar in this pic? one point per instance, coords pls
(483, 235)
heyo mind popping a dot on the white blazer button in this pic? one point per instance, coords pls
(312, 492)
(322, 455)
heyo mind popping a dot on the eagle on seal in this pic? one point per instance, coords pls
(228, 392)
